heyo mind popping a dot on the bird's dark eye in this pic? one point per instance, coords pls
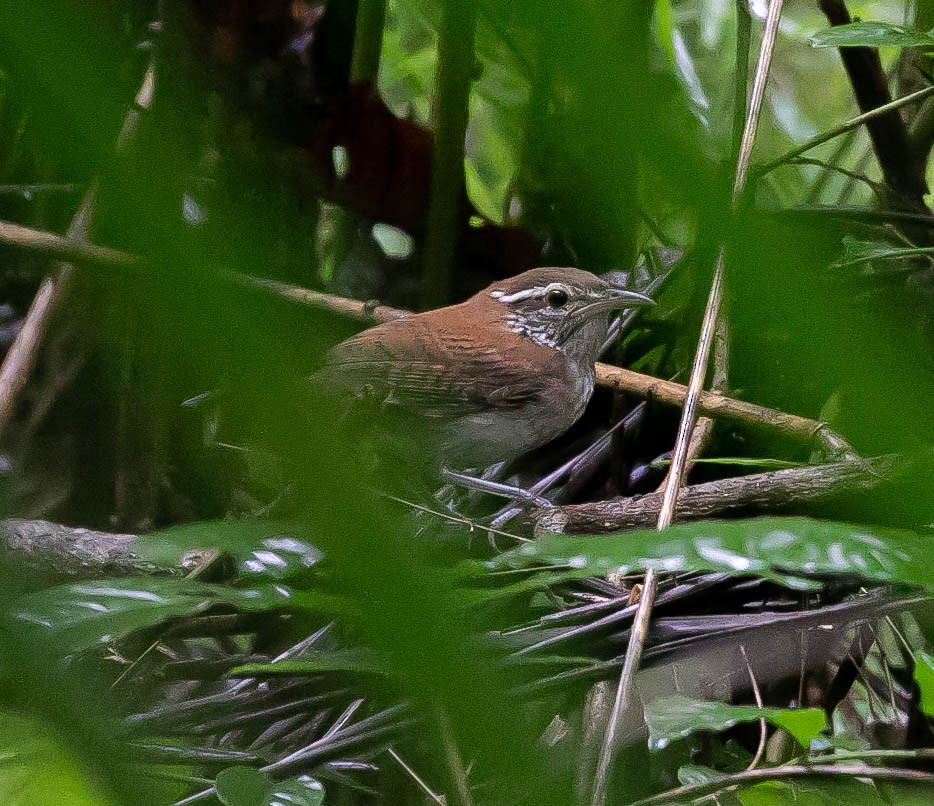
(557, 298)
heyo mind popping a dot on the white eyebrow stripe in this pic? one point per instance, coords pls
(528, 293)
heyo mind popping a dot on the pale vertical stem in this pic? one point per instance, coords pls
(695, 387)
(688, 415)
(741, 89)
(637, 633)
(758, 93)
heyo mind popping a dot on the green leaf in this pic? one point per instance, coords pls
(301, 791)
(261, 549)
(38, 767)
(780, 549)
(832, 792)
(872, 35)
(672, 718)
(858, 252)
(356, 659)
(690, 774)
(804, 724)
(244, 786)
(924, 675)
(241, 786)
(80, 616)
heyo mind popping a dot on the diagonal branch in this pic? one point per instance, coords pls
(21, 357)
(792, 426)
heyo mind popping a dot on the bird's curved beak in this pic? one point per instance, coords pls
(616, 298)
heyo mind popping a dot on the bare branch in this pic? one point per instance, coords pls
(766, 490)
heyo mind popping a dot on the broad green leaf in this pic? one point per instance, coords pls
(672, 718)
(272, 550)
(38, 768)
(244, 786)
(79, 616)
(780, 549)
(924, 675)
(872, 35)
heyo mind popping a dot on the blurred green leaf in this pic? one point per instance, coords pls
(261, 549)
(244, 786)
(241, 786)
(773, 548)
(872, 35)
(823, 792)
(83, 615)
(924, 676)
(38, 768)
(673, 718)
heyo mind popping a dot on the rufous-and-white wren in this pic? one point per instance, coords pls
(489, 379)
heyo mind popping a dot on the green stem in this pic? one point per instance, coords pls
(368, 41)
(852, 123)
(450, 114)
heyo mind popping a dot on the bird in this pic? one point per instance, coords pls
(486, 380)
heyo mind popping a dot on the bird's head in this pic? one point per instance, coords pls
(562, 308)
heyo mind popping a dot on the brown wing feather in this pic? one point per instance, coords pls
(378, 366)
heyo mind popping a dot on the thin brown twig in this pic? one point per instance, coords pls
(21, 358)
(763, 723)
(621, 379)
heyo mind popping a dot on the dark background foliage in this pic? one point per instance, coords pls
(174, 394)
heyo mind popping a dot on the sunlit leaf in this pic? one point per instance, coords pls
(924, 675)
(301, 791)
(775, 548)
(672, 718)
(680, 59)
(244, 786)
(872, 35)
